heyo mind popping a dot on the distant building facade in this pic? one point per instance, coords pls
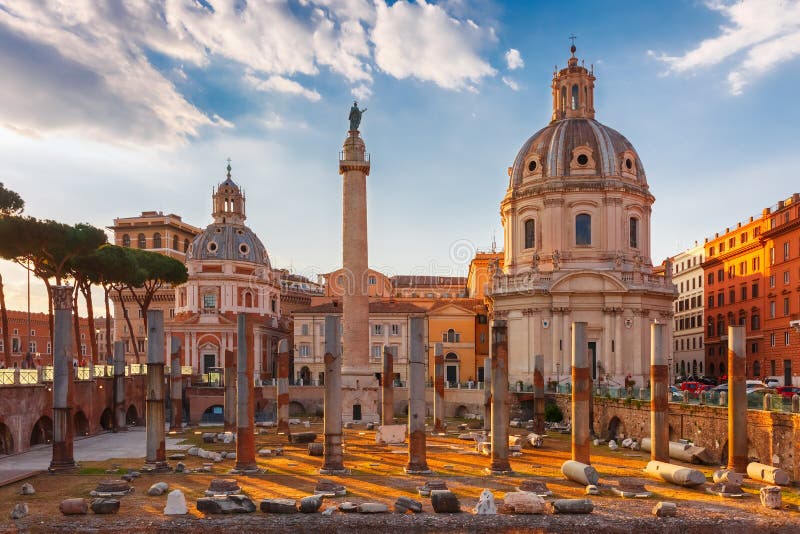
(34, 338)
(688, 354)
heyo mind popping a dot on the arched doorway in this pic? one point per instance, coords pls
(42, 432)
(6, 440)
(213, 414)
(451, 371)
(132, 416)
(296, 409)
(81, 424)
(107, 419)
(615, 428)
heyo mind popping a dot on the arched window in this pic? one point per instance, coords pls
(634, 232)
(701, 368)
(175, 242)
(451, 356)
(156, 240)
(574, 97)
(530, 233)
(248, 300)
(711, 369)
(710, 326)
(722, 368)
(694, 367)
(563, 98)
(126, 240)
(755, 321)
(756, 368)
(141, 241)
(583, 229)
(185, 245)
(451, 336)
(683, 367)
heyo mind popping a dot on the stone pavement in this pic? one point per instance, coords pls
(101, 447)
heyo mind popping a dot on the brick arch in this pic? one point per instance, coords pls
(80, 424)
(42, 431)
(132, 415)
(296, 408)
(6, 440)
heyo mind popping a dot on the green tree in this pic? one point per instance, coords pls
(109, 266)
(156, 271)
(47, 247)
(11, 204)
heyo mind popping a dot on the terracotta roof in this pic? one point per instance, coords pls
(375, 306)
(467, 304)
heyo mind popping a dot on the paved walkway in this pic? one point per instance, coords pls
(104, 446)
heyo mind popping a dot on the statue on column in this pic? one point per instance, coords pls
(355, 116)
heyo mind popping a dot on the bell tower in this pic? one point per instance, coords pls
(573, 90)
(228, 201)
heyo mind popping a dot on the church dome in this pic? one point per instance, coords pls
(227, 238)
(233, 242)
(579, 146)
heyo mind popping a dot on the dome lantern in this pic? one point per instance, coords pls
(228, 201)
(573, 91)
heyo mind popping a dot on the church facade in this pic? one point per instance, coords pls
(576, 220)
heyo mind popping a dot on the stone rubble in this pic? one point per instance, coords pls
(310, 504)
(74, 507)
(27, 489)
(572, 506)
(176, 503)
(523, 502)
(105, 506)
(372, 508)
(279, 506)
(229, 504)
(665, 509)
(770, 497)
(486, 504)
(19, 511)
(405, 504)
(159, 488)
(445, 502)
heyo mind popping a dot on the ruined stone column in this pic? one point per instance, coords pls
(417, 458)
(283, 386)
(156, 459)
(499, 398)
(245, 405)
(360, 388)
(487, 394)
(229, 404)
(737, 400)
(438, 388)
(581, 393)
(63, 459)
(538, 393)
(120, 414)
(387, 387)
(333, 459)
(176, 391)
(659, 395)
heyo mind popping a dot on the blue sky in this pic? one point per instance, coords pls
(106, 111)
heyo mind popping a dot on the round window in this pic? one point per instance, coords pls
(240, 232)
(212, 246)
(243, 248)
(532, 166)
(218, 230)
(628, 163)
(583, 159)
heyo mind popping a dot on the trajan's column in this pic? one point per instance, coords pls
(359, 384)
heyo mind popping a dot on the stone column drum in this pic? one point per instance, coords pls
(360, 388)
(120, 413)
(245, 405)
(176, 392)
(487, 394)
(333, 457)
(538, 394)
(499, 398)
(438, 388)
(581, 394)
(417, 457)
(283, 386)
(63, 459)
(156, 457)
(387, 387)
(737, 400)
(659, 395)
(229, 400)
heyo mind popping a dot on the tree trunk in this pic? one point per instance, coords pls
(50, 320)
(109, 353)
(4, 325)
(86, 289)
(76, 323)
(130, 326)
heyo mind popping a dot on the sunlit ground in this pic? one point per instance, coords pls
(377, 476)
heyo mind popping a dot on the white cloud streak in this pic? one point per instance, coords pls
(514, 86)
(86, 67)
(759, 35)
(514, 59)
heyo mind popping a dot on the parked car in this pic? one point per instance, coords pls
(709, 380)
(675, 394)
(755, 397)
(694, 388)
(772, 382)
(787, 392)
(720, 388)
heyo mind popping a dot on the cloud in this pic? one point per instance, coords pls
(121, 72)
(422, 41)
(514, 59)
(281, 85)
(759, 35)
(361, 92)
(511, 83)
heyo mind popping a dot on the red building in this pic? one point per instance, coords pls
(35, 337)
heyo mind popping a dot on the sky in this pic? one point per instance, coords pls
(111, 108)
